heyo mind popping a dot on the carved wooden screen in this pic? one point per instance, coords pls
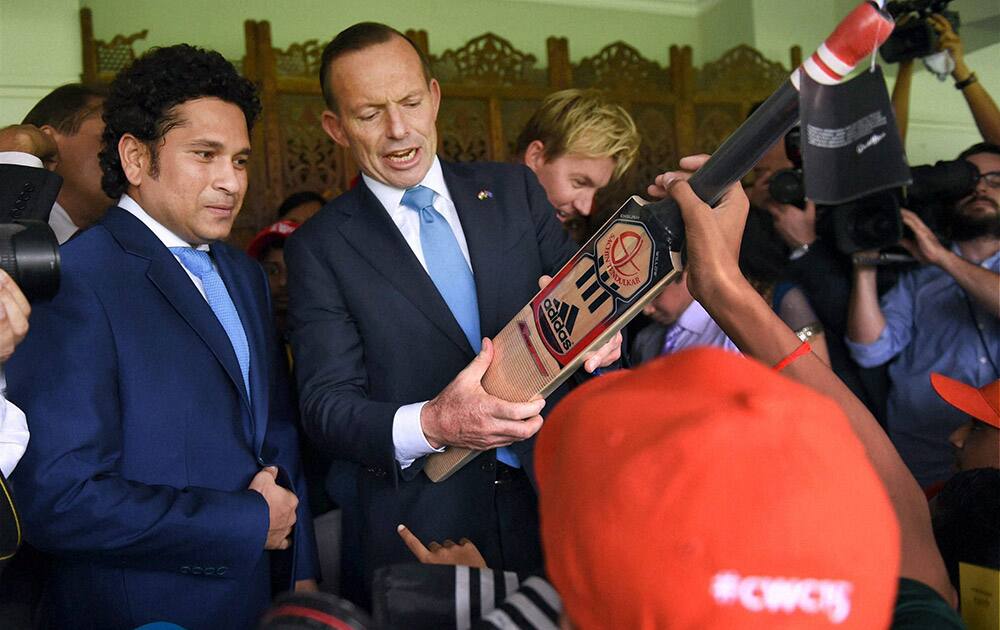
(649, 92)
(291, 152)
(102, 60)
(490, 89)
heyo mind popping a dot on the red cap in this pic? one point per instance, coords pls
(982, 404)
(275, 232)
(704, 490)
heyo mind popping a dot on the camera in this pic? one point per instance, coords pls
(29, 251)
(874, 221)
(915, 38)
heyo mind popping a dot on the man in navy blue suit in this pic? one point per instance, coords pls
(393, 287)
(162, 474)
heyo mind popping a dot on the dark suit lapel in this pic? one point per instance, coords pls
(173, 282)
(241, 291)
(376, 238)
(482, 223)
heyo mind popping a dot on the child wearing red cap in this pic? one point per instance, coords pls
(977, 442)
(706, 491)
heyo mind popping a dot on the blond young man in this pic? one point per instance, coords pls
(577, 143)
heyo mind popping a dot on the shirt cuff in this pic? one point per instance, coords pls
(871, 354)
(19, 158)
(408, 437)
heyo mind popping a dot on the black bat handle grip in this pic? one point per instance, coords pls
(734, 158)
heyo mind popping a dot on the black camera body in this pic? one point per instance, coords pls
(915, 38)
(29, 251)
(874, 221)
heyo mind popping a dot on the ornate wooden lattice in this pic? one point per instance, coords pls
(620, 66)
(300, 60)
(463, 130)
(102, 60)
(741, 70)
(490, 89)
(487, 60)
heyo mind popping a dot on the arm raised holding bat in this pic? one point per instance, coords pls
(715, 281)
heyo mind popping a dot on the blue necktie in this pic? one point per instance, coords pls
(450, 273)
(198, 263)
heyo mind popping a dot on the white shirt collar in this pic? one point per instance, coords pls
(61, 223)
(168, 238)
(20, 159)
(389, 196)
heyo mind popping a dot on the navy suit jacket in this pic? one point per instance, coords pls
(370, 333)
(143, 439)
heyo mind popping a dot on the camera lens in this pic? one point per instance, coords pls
(29, 253)
(786, 187)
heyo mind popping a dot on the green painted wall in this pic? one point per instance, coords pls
(449, 23)
(40, 40)
(727, 24)
(39, 49)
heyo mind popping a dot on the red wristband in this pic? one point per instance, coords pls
(798, 353)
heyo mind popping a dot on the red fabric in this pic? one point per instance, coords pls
(702, 486)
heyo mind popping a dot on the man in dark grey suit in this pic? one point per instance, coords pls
(393, 287)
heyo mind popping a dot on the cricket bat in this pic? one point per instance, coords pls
(640, 248)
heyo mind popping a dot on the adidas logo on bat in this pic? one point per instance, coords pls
(562, 319)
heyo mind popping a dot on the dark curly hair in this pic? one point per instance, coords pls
(142, 101)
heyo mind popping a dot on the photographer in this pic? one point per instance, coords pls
(943, 317)
(70, 116)
(984, 109)
(813, 280)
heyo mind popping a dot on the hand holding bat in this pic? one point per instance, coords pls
(465, 415)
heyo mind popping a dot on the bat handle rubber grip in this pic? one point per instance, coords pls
(857, 36)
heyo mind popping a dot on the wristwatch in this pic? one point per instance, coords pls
(808, 331)
(799, 252)
(966, 82)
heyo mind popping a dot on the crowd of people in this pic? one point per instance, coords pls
(757, 451)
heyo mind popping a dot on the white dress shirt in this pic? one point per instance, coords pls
(61, 224)
(13, 431)
(408, 437)
(13, 425)
(168, 238)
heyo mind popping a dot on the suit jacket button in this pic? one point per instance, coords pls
(221, 570)
(29, 187)
(209, 570)
(488, 466)
(196, 570)
(185, 570)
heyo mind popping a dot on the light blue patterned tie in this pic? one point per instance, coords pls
(671, 339)
(198, 263)
(451, 274)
